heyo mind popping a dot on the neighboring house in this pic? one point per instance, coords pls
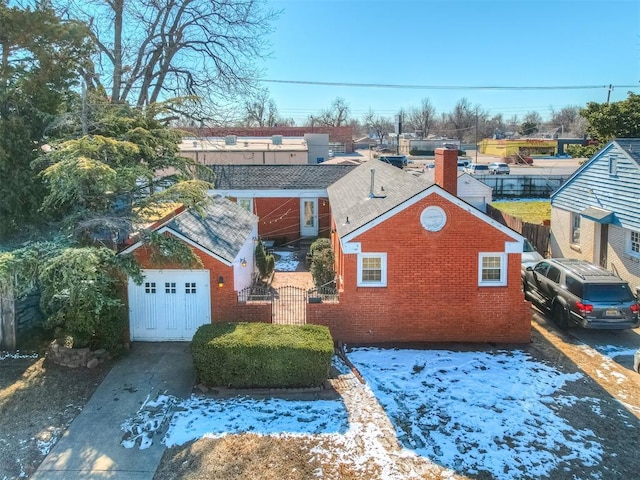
(290, 200)
(595, 215)
(470, 189)
(416, 263)
(173, 301)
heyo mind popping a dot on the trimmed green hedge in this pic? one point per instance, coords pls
(246, 355)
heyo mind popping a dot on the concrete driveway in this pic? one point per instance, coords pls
(90, 448)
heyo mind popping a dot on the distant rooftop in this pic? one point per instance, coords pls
(243, 144)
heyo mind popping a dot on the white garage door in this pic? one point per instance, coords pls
(169, 305)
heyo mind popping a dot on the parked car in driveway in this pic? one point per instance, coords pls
(499, 168)
(529, 255)
(477, 169)
(578, 292)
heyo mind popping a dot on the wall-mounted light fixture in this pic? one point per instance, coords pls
(220, 281)
(243, 262)
(255, 240)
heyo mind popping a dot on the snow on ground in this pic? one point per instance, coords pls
(614, 351)
(16, 355)
(210, 417)
(608, 354)
(287, 261)
(476, 413)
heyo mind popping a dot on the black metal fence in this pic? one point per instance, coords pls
(289, 303)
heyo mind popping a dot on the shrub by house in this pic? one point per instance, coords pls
(245, 355)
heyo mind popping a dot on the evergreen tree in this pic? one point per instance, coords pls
(39, 56)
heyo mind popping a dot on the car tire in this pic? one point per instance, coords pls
(559, 315)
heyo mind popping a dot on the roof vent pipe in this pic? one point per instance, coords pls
(371, 189)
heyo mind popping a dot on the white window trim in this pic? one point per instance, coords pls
(383, 279)
(572, 229)
(503, 269)
(249, 199)
(629, 251)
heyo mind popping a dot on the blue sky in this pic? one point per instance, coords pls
(472, 43)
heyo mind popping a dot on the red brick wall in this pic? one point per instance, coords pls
(342, 135)
(280, 218)
(432, 292)
(446, 169)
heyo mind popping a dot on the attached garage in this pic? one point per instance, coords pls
(169, 305)
(173, 301)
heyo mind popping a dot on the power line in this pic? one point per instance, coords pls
(444, 87)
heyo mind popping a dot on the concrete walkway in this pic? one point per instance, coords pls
(90, 448)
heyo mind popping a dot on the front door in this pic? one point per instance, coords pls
(309, 217)
(600, 242)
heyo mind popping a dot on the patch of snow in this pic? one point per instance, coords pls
(16, 355)
(149, 420)
(614, 351)
(45, 446)
(287, 261)
(198, 417)
(477, 412)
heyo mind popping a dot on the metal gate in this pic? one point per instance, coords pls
(288, 303)
(289, 306)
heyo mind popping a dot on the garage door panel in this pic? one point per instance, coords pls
(169, 305)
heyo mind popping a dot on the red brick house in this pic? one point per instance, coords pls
(416, 263)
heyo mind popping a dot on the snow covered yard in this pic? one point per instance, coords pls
(499, 414)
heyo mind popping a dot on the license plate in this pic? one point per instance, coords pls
(611, 313)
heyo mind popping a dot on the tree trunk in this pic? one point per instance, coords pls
(118, 7)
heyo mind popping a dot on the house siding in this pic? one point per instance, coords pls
(594, 186)
(440, 300)
(627, 266)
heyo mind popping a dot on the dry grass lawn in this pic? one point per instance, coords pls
(531, 212)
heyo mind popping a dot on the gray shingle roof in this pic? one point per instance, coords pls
(223, 231)
(350, 196)
(277, 177)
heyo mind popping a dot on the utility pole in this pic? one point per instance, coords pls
(476, 134)
(609, 93)
(399, 131)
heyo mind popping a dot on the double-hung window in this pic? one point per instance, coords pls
(575, 228)
(492, 269)
(634, 243)
(372, 270)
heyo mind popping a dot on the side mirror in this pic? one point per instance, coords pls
(529, 268)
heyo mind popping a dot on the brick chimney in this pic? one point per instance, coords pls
(446, 169)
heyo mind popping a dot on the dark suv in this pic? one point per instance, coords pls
(579, 292)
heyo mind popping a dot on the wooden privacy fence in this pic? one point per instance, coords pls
(538, 235)
(17, 318)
